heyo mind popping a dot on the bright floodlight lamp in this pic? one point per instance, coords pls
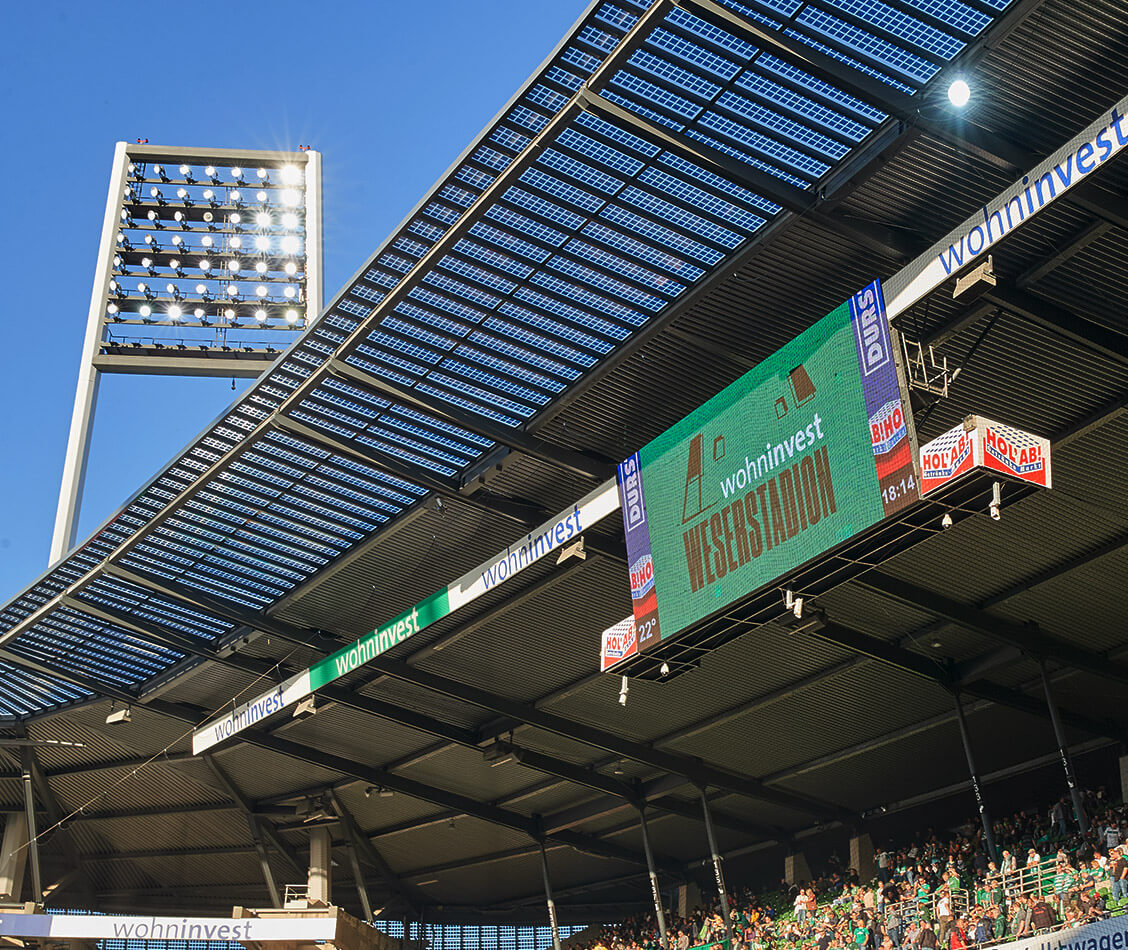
(216, 195)
(261, 291)
(263, 219)
(147, 263)
(146, 311)
(959, 93)
(260, 315)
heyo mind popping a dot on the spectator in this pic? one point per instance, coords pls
(1119, 874)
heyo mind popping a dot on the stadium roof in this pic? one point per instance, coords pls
(680, 189)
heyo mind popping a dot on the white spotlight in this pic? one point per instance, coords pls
(291, 174)
(959, 93)
(623, 690)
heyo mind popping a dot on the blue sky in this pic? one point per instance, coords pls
(389, 93)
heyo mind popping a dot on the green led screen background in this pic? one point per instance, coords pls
(811, 386)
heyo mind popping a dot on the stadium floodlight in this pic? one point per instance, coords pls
(289, 244)
(291, 316)
(263, 220)
(145, 310)
(117, 716)
(215, 196)
(233, 291)
(260, 290)
(291, 268)
(260, 315)
(959, 93)
(624, 690)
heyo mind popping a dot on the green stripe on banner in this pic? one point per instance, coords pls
(372, 644)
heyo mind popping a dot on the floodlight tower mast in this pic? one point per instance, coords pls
(227, 246)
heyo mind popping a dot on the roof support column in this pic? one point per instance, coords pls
(320, 881)
(984, 815)
(654, 890)
(718, 874)
(1063, 751)
(358, 878)
(13, 858)
(32, 837)
(264, 861)
(548, 897)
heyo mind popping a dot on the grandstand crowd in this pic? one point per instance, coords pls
(938, 892)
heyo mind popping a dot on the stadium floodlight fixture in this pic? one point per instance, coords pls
(117, 716)
(235, 217)
(145, 310)
(260, 315)
(147, 263)
(291, 268)
(229, 313)
(159, 171)
(182, 194)
(175, 264)
(290, 244)
(209, 197)
(260, 290)
(959, 93)
(290, 220)
(199, 313)
(186, 173)
(624, 690)
(180, 218)
(213, 173)
(152, 242)
(260, 197)
(177, 240)
(205, 264)
(996, 507)
(112, 309)
(291, 174)
(236, 242)
(261, 267)
(174, 312)
(234, 266)
(946, 521)
(237, 173)
(291, 316)
(152, 215)
(289, 293)
(263, 175)
(233, 291)
(290, 198)
(262, 242)
(207, 240)
(236, 197)
(263, 220)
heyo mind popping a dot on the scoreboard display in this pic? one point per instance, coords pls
(803, 452)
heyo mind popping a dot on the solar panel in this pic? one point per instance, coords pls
(596, 226)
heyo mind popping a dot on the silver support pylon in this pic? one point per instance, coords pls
(1063, 751)
(86, 393)
(548, 899)
(984, 815)
(718, 874)
(654, 890)
(32, 835)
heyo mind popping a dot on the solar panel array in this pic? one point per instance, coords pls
(559, 237)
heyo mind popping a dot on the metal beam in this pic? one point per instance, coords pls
(578, 463)
(926, 669)
(1064, 322)
(1025, 637)
(364, 846)
(694, 770)
(260, 826)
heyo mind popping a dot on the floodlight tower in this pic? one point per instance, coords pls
(209, 265)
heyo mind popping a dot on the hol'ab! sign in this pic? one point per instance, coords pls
(803, 452)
